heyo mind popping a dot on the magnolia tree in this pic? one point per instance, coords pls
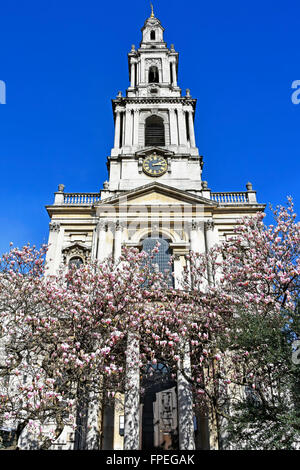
(245, 295)
(64, 337)
(60, 338)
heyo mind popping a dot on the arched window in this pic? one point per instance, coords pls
(161, 260)
(152, 35)
(153, 76)
(154, 131)
(75, 261)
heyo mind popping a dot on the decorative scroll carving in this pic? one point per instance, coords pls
(151, 62)
(102, 225)
(209, 224)
(195, 225)
(76, 250)
(54, 226)
(116, 226)
(119, 226)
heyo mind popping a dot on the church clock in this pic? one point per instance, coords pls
(155, 165)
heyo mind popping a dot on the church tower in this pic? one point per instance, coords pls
(154, 191)
(154, 123)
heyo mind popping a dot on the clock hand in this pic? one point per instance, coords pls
(156, 164)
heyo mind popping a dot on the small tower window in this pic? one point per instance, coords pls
(154, 131)
(152, 35)
(153, 74)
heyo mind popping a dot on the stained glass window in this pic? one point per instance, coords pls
(161, 260)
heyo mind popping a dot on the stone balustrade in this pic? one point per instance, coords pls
(220, 197)
(230, 197)
(81, 198)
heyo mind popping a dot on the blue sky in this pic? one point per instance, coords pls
(63, 61)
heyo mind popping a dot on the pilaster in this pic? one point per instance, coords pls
(101, 235)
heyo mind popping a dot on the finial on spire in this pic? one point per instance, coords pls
(152, 13)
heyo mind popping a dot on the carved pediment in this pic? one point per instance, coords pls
(156, 194)
(151, 150)
(76, 250)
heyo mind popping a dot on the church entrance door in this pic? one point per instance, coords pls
(159, 418)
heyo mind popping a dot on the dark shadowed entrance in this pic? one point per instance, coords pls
(159, 409)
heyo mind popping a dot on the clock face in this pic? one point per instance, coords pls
(155, 165)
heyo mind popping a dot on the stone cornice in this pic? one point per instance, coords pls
(123, 101)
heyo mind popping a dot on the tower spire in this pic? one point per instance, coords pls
(152, 13)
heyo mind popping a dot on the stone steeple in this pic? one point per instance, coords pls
(154, 117)
(153, 63)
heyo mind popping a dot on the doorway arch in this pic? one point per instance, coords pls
(159, 414)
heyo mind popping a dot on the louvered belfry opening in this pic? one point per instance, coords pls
(154, 131)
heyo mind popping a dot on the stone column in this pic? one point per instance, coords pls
(211, 234)
(181, 127)
(132, 75)
(197, 245)
(185, 403)
(178, 269)
(173, 127)
(123, 130)
(128, 128)
(142, 66)
(160, 77)
(191, 129)
(54, 229)
(117, 130)
(136, 127)
(193, 237)
(132, 395)
(174, 74)
(57, 252)
(118, 240)
(92, 434)
(94, 244)
(197, 237)
(138, 73)
(211, 240)
(101, 235)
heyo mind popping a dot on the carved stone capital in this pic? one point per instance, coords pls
(150, 62)
(54, 226)
(102, 225)
(119, 226)
(116, 226)
(209, 224)
(194, 225)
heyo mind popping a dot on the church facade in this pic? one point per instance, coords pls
(154, 191)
